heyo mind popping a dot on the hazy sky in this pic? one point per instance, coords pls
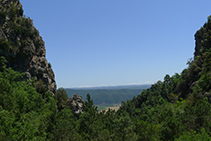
(117, 42)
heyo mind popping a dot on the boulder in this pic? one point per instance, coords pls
(75, 103)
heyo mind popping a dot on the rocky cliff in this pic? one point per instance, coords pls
(202, 38)
(22, 46)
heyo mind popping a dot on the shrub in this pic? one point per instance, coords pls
(41, 87)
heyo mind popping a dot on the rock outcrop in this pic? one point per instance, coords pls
(22, 46)
(75, 103)
(202, 38)
(198, 41)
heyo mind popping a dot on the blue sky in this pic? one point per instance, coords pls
(117, 42)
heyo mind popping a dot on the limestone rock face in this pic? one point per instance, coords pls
(22, 46)
(75, 103)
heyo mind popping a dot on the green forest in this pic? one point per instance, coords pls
(178, 108)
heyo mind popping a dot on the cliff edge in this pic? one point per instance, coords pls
(22, 46)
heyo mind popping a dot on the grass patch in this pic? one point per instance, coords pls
(107, 106)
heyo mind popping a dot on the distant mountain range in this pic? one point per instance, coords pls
(108, 94)
(144, 86)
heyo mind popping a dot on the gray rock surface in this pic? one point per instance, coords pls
(75, 103)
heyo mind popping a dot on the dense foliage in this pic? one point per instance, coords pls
(28, 115)
(25, 113)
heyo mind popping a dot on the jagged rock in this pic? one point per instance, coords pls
(22, 46)
(75, 103)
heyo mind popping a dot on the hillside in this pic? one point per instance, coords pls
(106, 96)
(179, 107)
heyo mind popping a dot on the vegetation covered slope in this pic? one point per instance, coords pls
(103, 96)
(178, 107)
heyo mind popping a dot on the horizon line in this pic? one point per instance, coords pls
(76, 87)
